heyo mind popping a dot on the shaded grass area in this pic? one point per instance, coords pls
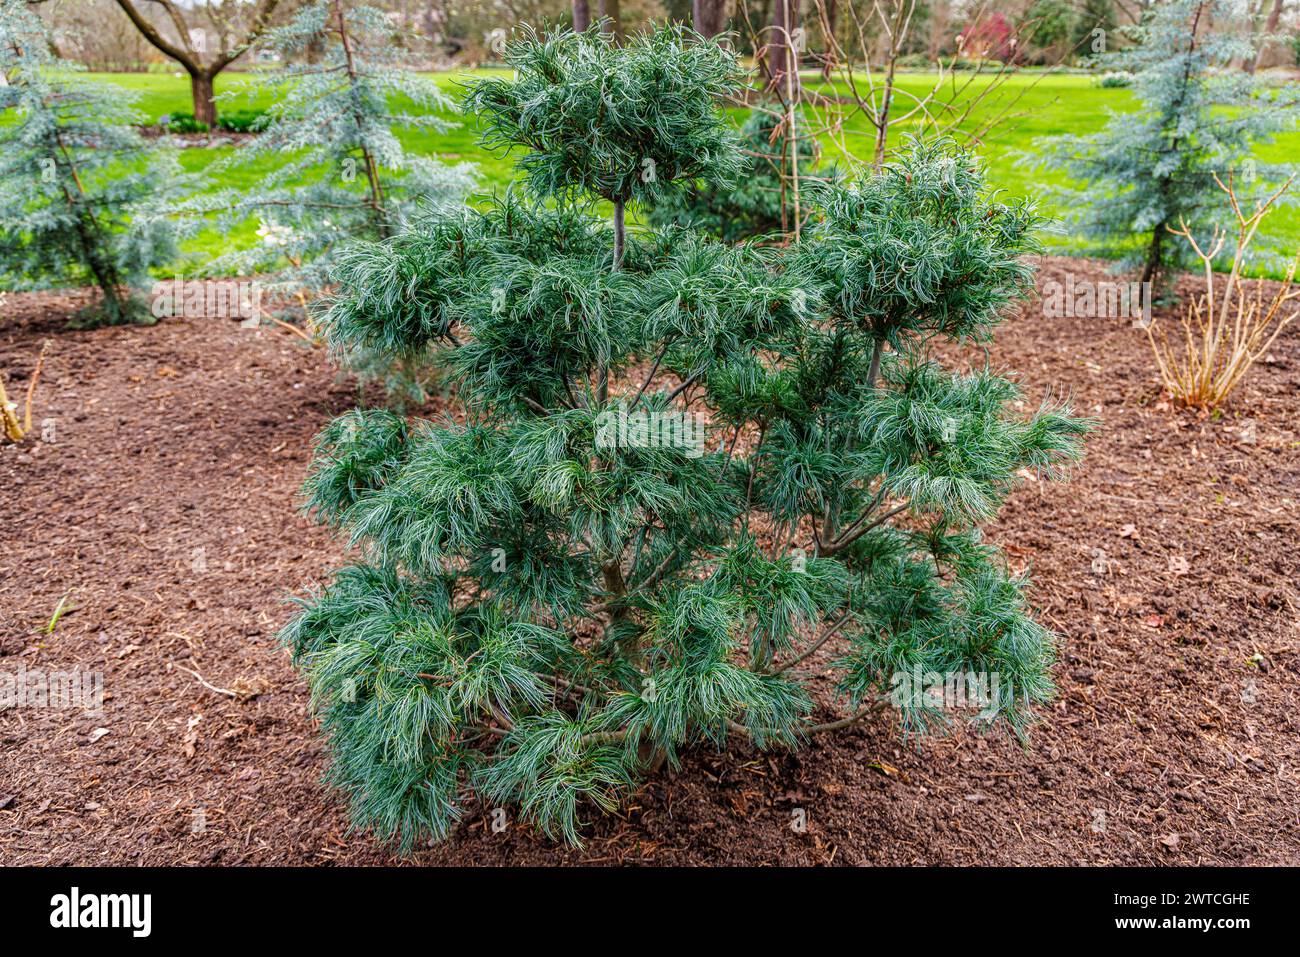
(1030, 107)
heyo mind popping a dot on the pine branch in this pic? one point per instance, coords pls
(826, 636)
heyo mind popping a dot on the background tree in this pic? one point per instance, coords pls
(1044, 31)
(95, 34)
(710, 16)
(611, 16)
(1093, 16)
(581, 15)
(556, 595)
(206, 37)
(1269, 35)
(1148, 171)
(781, 47)
(79, 188)
(337, 116)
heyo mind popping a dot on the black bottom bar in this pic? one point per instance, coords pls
(331, 906)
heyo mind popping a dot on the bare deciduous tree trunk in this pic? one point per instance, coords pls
(710, 16)
(1270, 26)
(782, 44)
(613, 17)
(203, 96)
(581, 15)
(832, 11)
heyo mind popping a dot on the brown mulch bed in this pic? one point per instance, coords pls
(164, 509)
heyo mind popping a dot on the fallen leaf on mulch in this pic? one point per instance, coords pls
(191, 734)
(97, 734)
(1154, 621)
(247, 689)
(1170, 840)
(1128, 531)
(886, 769)
(1179, 565)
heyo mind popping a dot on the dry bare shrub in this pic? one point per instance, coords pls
(1224, 334)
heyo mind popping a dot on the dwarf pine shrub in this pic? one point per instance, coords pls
(677, 470)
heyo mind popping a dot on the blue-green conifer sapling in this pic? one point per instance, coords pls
(341, 171)
(83, 198)
(340, 102)
(1149, 170)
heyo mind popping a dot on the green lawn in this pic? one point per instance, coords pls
(1036, 107)
(161, 94)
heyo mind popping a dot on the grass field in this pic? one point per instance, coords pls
(1035, 107)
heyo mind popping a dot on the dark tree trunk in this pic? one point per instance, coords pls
(1151, 269)
(201, 91)
(105, 274)
(613, 17)
(782, 57)
(201, 72)
(832, 14)
(620, 233)
(315, 50)
(710, 17)
(94, 244)
(581, 15)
